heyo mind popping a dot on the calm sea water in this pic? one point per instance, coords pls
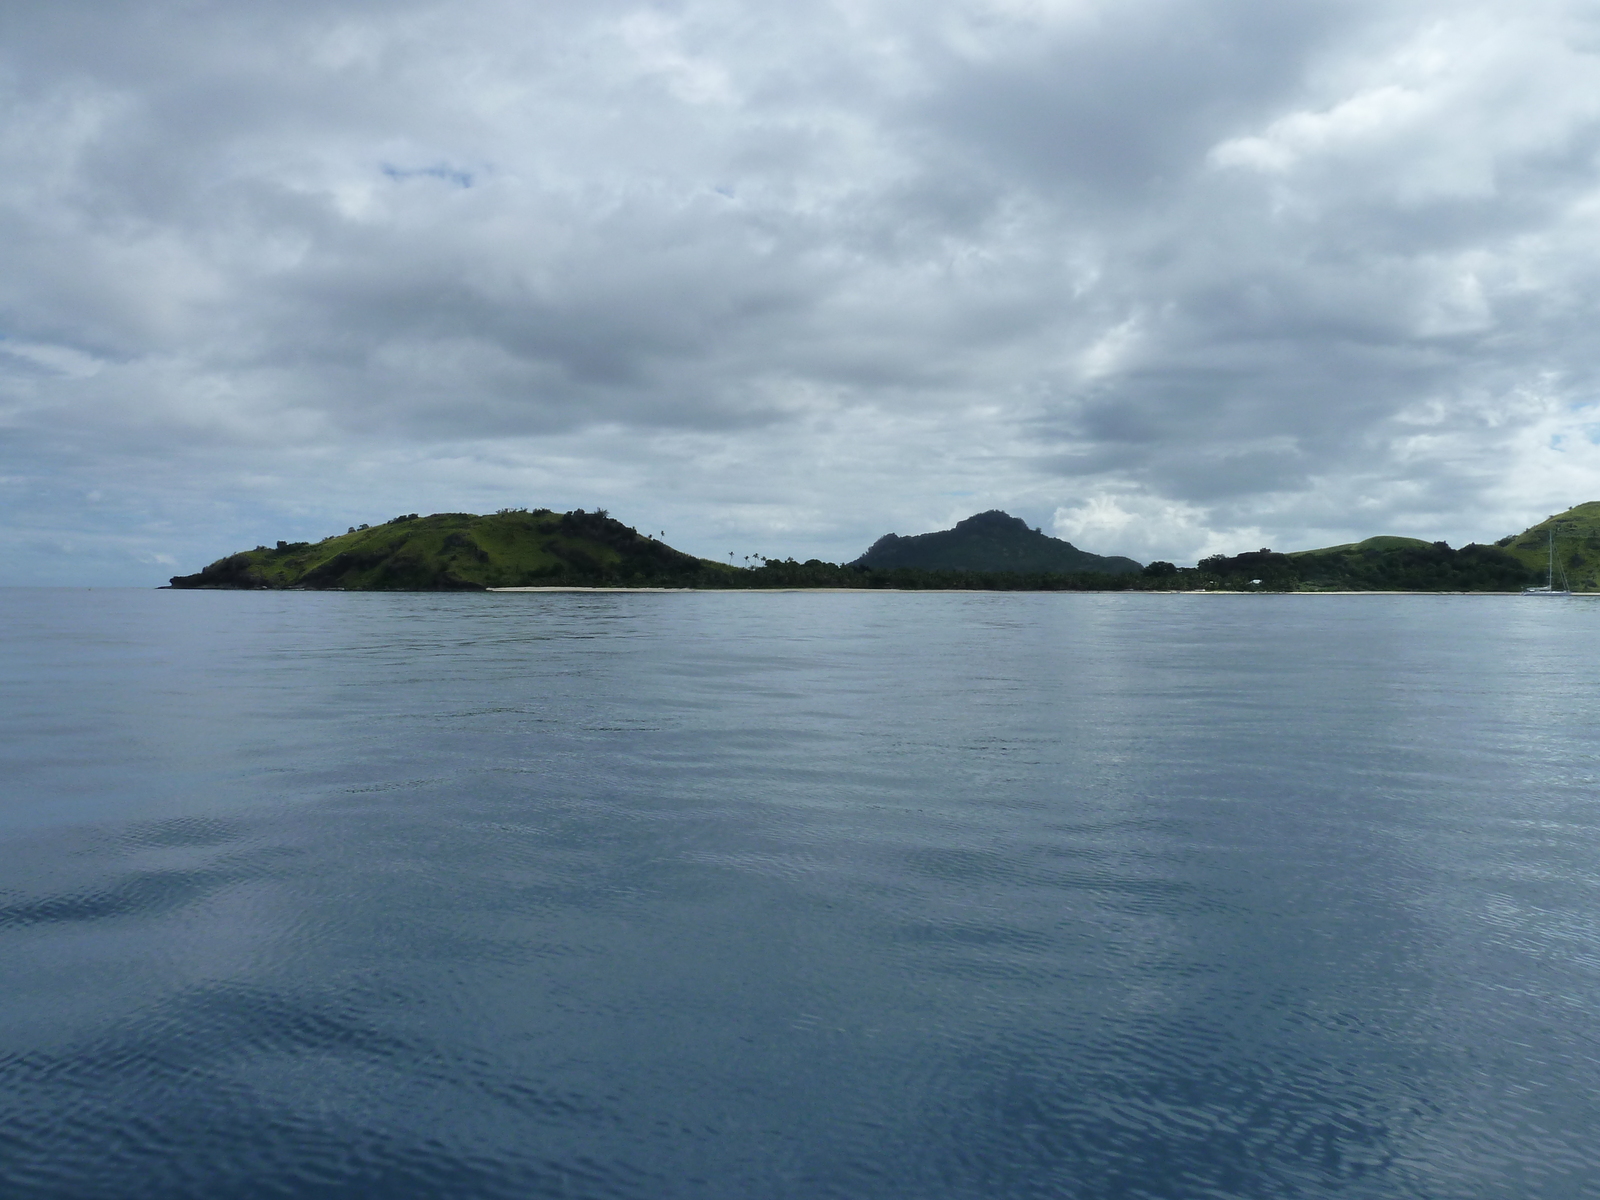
(746, 896)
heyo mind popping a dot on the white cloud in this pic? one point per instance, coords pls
(1192, 275)
(1148, 529)
(57, 360)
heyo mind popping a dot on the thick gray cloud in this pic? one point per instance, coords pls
(1169, 276)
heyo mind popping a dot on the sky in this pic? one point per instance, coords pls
(1165, 278)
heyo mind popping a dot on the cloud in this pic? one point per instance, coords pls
(1178, 276)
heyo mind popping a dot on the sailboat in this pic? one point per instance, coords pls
(1549, 588)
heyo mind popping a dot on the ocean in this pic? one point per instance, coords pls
(746, 895)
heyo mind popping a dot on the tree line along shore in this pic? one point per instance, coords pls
(989, 552)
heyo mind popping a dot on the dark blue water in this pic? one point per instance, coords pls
(746, 896)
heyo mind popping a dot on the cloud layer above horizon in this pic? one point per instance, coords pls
(1167, 277)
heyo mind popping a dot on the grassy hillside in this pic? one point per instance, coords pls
(462, 552)
(1577, 546)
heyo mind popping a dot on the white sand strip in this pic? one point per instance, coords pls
(590, 589)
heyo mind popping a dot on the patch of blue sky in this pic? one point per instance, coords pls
(454, 176)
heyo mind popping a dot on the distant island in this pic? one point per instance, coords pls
(464, 552)
(989, 541)
(992, 551)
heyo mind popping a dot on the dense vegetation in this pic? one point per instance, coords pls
(987, 543)
(521, 548)
(814, 573)
(1379, 564)
(463, 552)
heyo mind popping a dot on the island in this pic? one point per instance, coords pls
(1403, 564)
(515, 547)
(991, 551)
(990, 541)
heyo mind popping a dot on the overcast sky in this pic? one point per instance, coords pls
(1165, 277)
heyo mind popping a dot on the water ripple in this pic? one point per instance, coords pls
(921, 897)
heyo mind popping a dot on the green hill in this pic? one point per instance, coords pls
(989, 541)
(1577, 538)
(992, 551)
(463, 552)
(1392, 565)
(1510, 564)
(1387, 563)
(1381, 542)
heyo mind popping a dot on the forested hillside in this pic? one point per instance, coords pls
(989, 542)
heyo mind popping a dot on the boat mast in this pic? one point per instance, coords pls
(1550, 575)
